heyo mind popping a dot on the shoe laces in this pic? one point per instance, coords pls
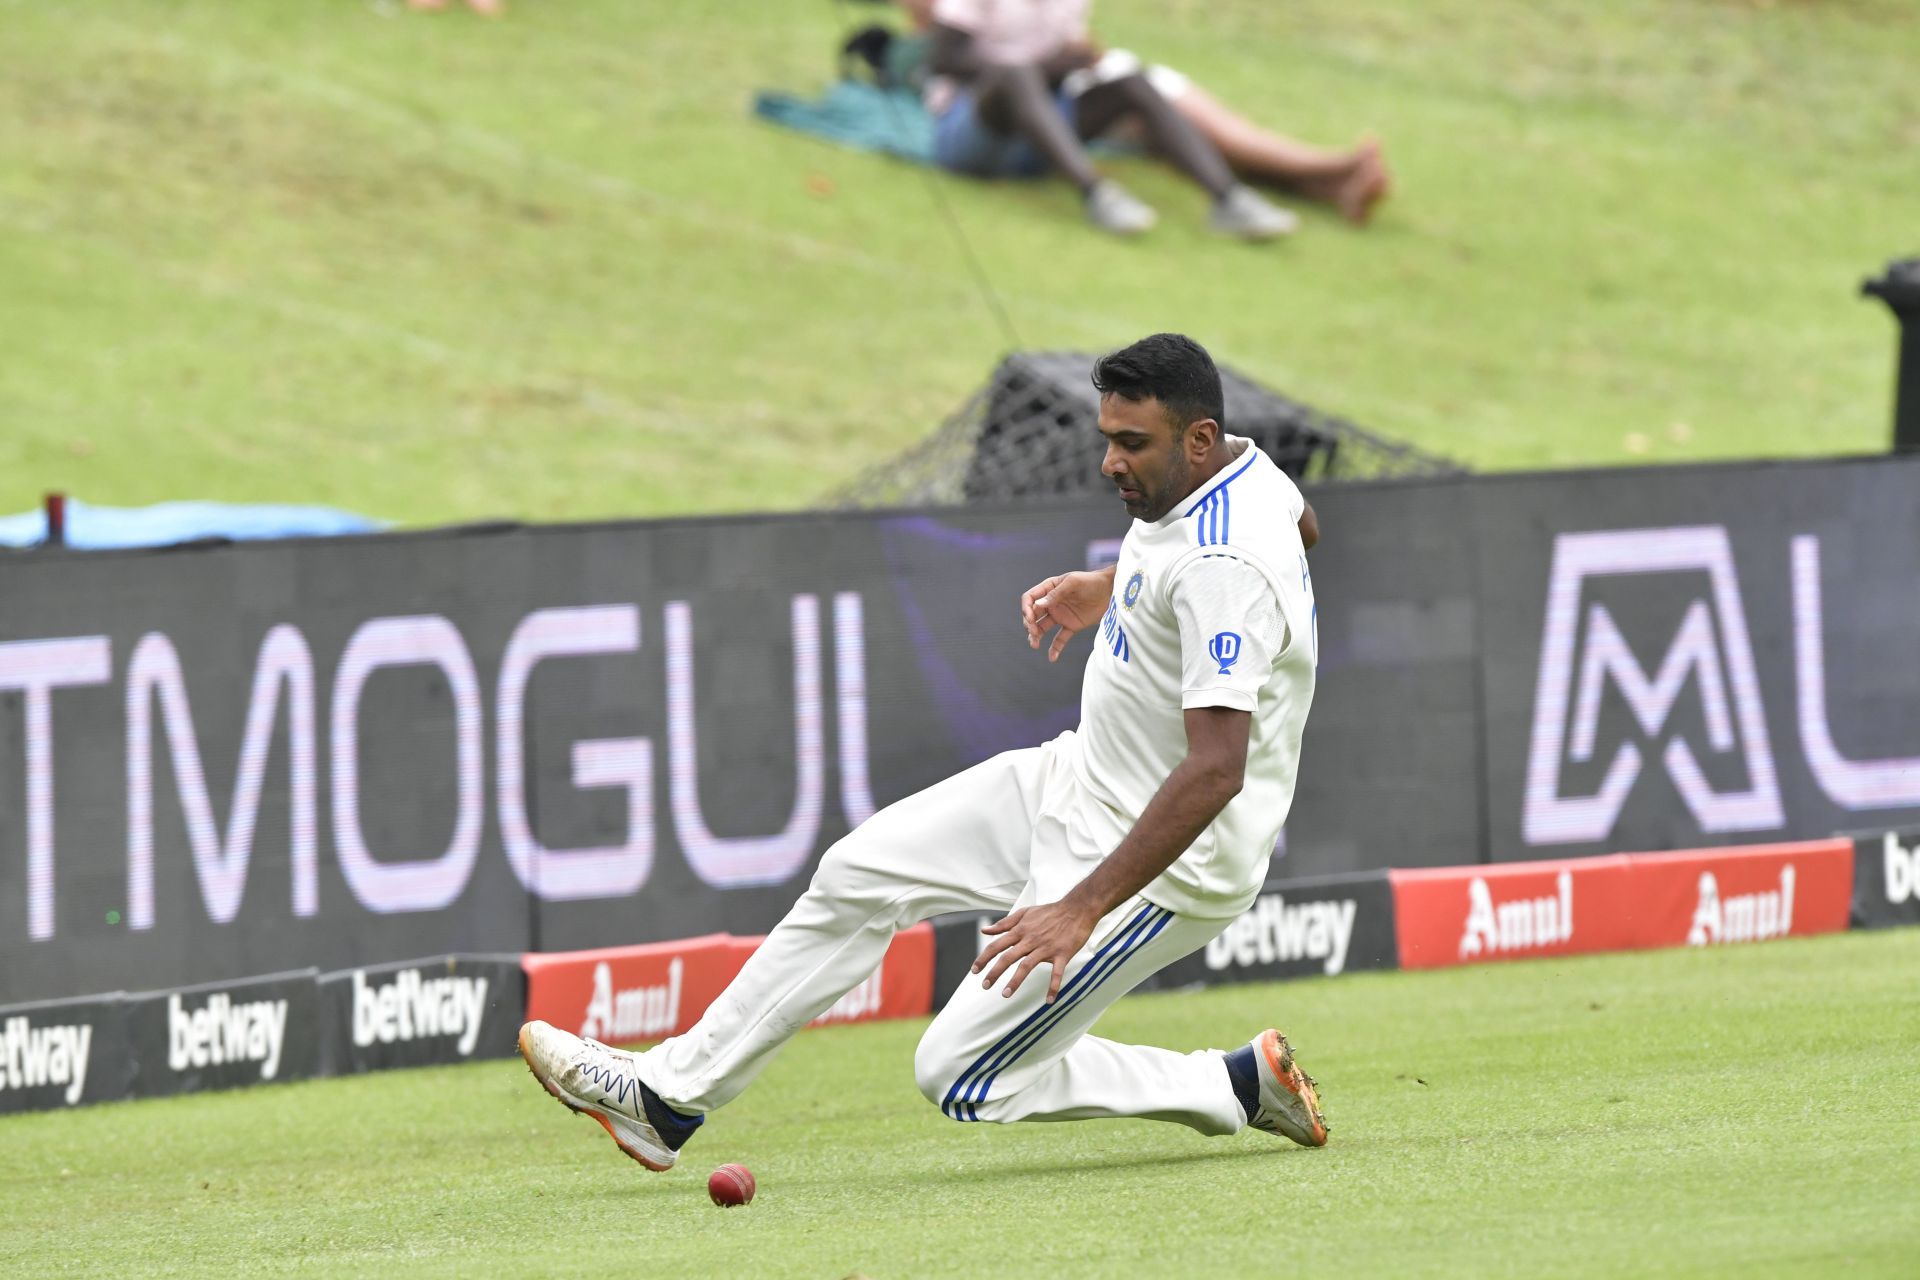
(609, 1069)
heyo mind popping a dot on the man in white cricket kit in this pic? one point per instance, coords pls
(1114, 849)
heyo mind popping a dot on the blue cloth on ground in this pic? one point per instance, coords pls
(859, 115)
(863, 116)
(163, 524)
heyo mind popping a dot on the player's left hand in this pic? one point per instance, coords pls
(1070, 601)
(1032, 936)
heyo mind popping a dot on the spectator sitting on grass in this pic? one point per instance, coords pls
(1353, 181)
(1001, 109)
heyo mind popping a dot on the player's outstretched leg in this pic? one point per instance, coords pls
(598, 1081)
(959, 845)
(1276, 1094)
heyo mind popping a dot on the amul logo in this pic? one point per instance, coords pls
(1518, 924)
(1741, 917)
(1582, 649)
(632, 1013)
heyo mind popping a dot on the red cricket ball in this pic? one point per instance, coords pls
(730, 1184)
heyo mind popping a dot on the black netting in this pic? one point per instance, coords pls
(1031, 433)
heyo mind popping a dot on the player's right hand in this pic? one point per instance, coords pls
(1071, 602)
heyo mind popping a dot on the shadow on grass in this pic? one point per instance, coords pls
(1014, 1170)
(1049, 1168)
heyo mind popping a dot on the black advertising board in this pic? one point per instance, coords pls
(1696, 656)
(1886, 879)
(352, 751)
(224, 1035)
(1389, 770)
(956, 945)
(63, 1053)
(420, 1013)
(223, 761)
(1316, 927)
(196, 743)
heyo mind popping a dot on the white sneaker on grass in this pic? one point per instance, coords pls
(595, 1080)
(1117, 211)
(1245, 213)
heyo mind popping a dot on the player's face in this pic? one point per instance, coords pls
(1145, 459)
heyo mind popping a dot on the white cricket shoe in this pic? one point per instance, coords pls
(1288, 1104)
(601, 1082)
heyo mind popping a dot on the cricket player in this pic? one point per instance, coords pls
(1112, 850)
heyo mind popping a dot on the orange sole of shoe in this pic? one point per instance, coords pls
(1279, 1057)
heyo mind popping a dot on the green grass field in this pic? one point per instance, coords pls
(433, 268)
(1734, 1112)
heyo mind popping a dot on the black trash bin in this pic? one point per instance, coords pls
(1899, 288)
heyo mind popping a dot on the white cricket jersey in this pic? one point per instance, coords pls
(1212, 607)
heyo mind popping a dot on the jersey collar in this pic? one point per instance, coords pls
(1248, 459)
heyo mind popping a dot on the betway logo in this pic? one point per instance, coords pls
(34, 1057)
(1273, 932)
(412, 1007)
(635, 1013)
(1583, 650)
(1745, 917)
(861, 1002)
(1520, 924)
(1901, 868)
(225, 1031)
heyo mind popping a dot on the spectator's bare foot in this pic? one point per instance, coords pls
(488, 8)
(1366, 185)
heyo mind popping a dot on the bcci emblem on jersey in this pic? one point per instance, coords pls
(1224, 649)
(1132, 593)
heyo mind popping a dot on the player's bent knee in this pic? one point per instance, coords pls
(934, 1068)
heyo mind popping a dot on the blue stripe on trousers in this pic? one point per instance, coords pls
(1058, 1012)
(1120, 937)
(1042, 1021)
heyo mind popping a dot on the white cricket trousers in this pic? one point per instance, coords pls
(986, 838)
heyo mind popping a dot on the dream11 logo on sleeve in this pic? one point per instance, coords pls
(1583, 648)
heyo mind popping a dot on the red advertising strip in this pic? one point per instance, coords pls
(1700, 897)
(622, 995)
(1509, 911)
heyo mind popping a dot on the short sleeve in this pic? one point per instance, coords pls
(1231, 631)
(1296, 500)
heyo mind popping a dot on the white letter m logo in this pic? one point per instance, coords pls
(1729, 688)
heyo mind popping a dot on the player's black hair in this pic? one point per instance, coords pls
(1169, 367)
